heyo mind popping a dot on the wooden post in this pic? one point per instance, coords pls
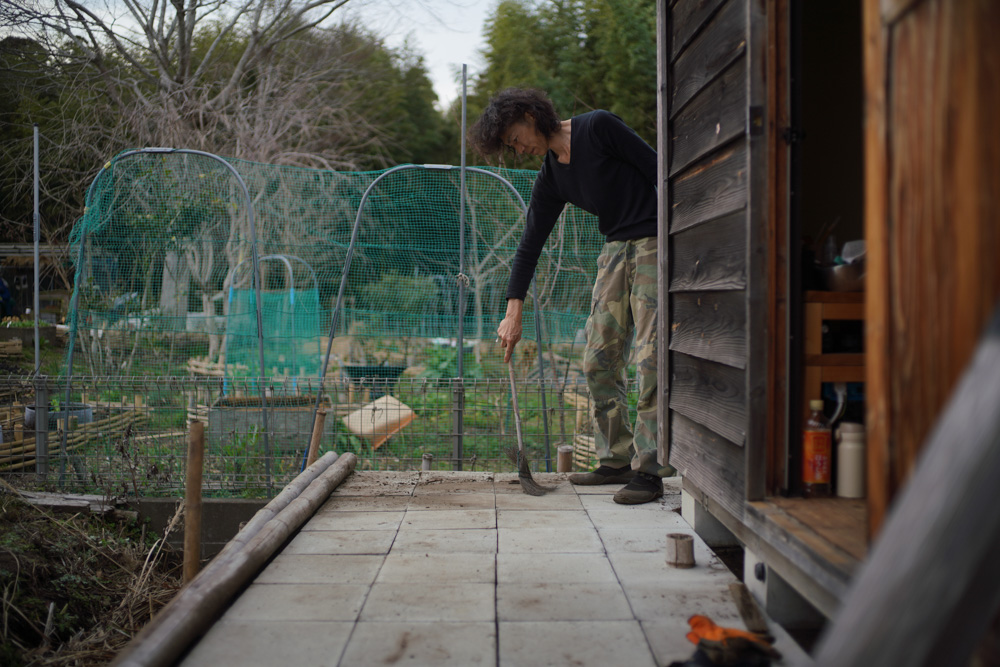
(192, 500)
(428, 459)
(317, 435)
(564, 458)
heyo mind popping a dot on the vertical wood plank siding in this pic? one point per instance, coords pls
(708, 240)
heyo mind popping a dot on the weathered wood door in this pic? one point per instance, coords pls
(932, 216)
(713, 240)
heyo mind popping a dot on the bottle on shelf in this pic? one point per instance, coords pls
(850, 460)
(817, 446)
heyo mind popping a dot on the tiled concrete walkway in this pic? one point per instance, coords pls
(464, 569)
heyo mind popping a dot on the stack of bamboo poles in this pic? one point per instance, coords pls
(11, 348)
(20, 453)
(205, 595)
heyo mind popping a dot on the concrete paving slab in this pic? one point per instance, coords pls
(430, 601)
(531, 568)
(269, 643)
(599, 490)
(375, 484)
(522, 501)
(355, 521)
(454, 568)
(557, 483)
(626, 517)
(363, 504)
(341, 542)
(320, 569)
(553, 540)
(606, 501)
(543, 519)
(443, 501)
(637, 539)
(447, 644)
(651, 567)
(460, 475)
(660, 601)
(445, 541)
(438, 486)
(449, 519)
(562, 602)
(580, 643)
(299, 602)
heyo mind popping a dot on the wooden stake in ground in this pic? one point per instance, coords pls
(192, 500)
(317, 435)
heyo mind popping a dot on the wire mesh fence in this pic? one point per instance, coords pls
(178, 266)
(128, 436)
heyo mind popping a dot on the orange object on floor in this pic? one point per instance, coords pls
(702, 627)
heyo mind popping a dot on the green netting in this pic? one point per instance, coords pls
(165, 267)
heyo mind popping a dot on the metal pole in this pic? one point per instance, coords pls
(41, 427)
(541, 373)
(37, 224)
(460, 342)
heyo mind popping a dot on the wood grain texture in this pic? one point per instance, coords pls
(779, 268)
(711, 188)
(840, 521)
(721, 42)
(710, 325)
(759, 236)
(943, 164)
(711, 394)
(716, 116)
(689, 16)
(711, 256)
(877, 304)
(710, 461)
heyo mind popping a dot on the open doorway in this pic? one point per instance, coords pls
(825, 198)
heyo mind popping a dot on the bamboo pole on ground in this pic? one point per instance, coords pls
(192, 500)
(317, 435)
(278, 503)
(196, 607)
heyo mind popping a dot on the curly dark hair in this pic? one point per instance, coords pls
(506, 108)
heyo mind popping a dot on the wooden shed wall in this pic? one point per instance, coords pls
(709, 238)
(932, 215)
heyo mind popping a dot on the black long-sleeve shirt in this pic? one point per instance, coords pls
(611, 173)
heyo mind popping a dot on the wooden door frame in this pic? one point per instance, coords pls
(779, 253)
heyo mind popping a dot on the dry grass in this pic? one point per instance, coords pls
(75, 589)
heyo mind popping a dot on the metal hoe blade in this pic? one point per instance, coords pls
(517, 456)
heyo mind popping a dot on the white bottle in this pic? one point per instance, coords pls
(851, 460)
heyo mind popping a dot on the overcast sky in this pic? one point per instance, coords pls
(447, 33)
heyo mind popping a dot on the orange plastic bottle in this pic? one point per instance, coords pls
(817, 448)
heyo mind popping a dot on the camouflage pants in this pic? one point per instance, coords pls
(624, 302)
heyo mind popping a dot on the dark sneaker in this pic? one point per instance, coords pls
(643, 488)
(603, 475)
